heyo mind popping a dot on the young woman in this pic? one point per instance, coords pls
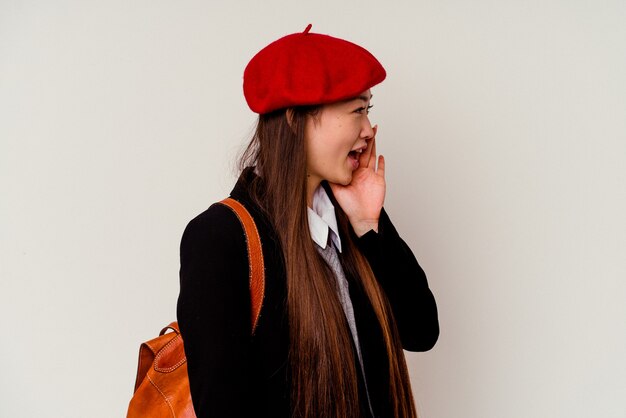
(344, 294)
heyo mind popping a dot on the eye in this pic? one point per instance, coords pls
(360, 110)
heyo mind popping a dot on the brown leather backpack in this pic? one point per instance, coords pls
(162, 385)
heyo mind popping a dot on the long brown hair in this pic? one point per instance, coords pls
(322, 363)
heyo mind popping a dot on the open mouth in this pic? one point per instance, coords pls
(354, 158)
(355, 153)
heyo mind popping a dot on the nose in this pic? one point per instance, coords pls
(367, 131)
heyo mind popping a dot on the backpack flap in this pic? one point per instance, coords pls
(165, 352)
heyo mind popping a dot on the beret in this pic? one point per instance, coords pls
(308, 69)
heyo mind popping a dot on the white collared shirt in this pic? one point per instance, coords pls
(321, 218)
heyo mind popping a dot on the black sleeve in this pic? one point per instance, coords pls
(214, 313)
(404, 283)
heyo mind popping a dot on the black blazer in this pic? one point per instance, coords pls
(234, 374)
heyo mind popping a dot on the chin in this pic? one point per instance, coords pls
(346, 180)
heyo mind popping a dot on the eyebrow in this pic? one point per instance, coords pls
(362, 97)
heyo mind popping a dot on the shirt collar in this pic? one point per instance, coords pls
(321, 218)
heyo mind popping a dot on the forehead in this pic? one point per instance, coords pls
(365, 96)
(362, 98)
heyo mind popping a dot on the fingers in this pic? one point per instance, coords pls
(368, 157)
(372, 159)
(364, 158)
(381, 166)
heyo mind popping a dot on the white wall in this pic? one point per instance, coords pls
(503, 124)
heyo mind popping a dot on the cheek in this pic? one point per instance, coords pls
(335, 150)
(328, 145)
(322, 144)
(317, 155)
(323, 156)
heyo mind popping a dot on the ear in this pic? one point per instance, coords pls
(289, 115)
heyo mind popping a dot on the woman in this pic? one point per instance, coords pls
(344, 294)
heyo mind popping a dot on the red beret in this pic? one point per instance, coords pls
(308, 69)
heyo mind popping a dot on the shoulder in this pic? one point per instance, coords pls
(218, 226)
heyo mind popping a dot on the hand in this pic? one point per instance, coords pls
(362, 199)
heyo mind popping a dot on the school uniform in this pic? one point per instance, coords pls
(234, 374)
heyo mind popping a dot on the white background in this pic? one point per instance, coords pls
(503, 124)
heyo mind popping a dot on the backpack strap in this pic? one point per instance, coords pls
(255, 257)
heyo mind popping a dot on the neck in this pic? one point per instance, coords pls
(312, 184)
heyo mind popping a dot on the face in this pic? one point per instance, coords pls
(334, 136)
